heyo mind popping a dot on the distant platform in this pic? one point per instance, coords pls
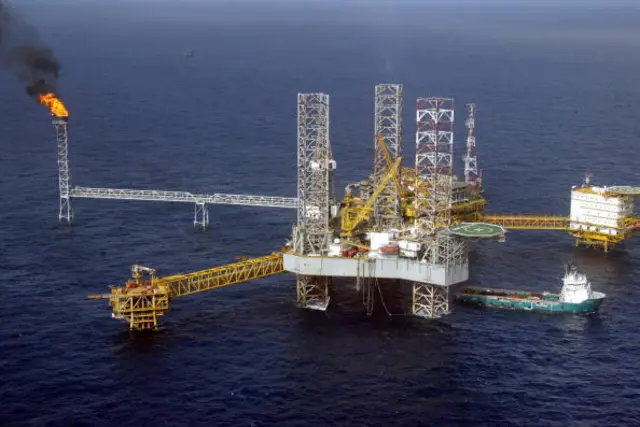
(626, 190)
(479, 230)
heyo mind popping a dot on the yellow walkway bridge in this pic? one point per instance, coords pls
(143, 299)
(525, 222)
(583, 236)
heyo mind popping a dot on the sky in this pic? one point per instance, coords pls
(596, 19)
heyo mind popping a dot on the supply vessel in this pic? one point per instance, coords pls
(576, 296)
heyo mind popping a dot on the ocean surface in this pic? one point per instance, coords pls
(557, 90)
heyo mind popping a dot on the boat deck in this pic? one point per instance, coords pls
(509, 293)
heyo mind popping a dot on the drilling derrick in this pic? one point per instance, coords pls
(64, 177)
(388, 129)
(313, 233)
(471, 175)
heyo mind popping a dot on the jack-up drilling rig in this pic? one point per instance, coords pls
(395, 226)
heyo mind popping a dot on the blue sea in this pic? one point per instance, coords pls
(557, 90)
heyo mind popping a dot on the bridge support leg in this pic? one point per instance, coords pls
(201, 215)
(588, 241)
(66, 214)
(140, 311)
(430, 301)
(313, 292)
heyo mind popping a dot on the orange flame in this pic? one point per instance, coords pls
(56, 106)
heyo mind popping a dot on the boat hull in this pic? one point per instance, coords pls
(527, 301)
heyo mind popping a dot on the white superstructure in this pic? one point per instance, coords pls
(576, 287)
(596, 210)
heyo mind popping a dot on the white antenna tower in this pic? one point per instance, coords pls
(471, 175)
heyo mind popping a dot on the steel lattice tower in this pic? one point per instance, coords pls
(64, 176)
(312, 233)
(434, 168)
(315, 167)
(434, 187)
(388, 126)
(471, 175)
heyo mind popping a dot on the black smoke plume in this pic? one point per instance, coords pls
(22, 52)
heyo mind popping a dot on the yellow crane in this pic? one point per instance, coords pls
(351, 216)
(396, 173)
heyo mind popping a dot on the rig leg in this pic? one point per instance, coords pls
(66, 214)
(313, 292)
(201, 215)
(430, 301)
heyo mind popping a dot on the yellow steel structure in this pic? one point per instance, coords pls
(525, 222)
(625, 230)
(141, 302)
(604, 241)
(631, 222)
(471, 210)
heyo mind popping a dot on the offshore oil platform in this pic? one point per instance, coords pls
(410, 224)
